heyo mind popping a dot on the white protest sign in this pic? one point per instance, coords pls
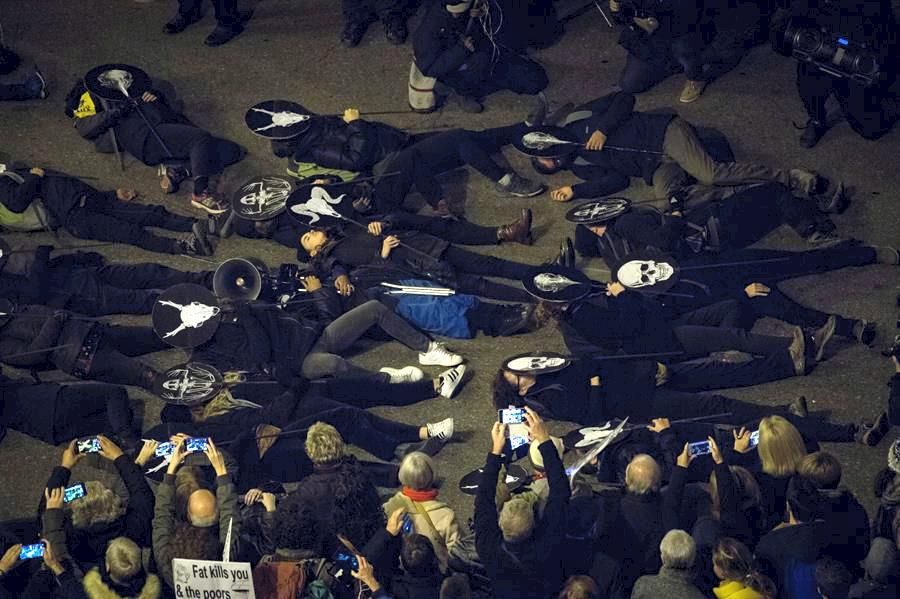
(201, 579)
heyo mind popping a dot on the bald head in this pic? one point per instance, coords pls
(643, 475)
(201, 509)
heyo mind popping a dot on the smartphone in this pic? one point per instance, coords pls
(89, 445)
(74, 492)
(164, 449)
(196, 444)
(754, 438)
(699, 448)
(516, 442)
(511, 416)
(31, 551)
(408, 527)
(346, 559)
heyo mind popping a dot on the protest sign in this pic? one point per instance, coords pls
(201, 579)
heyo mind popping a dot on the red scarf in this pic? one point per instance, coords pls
(426, 495)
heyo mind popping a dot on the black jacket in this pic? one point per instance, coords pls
(677, 19)
(88, 546)
(60, 194)
(607, 171)
(789, 553)
(894, 400)
(36, 328)
(532, 568)
(848, 525)
(29, 407)
(354, 146)
(437, 43)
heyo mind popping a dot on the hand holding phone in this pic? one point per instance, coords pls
(511, 416)
(31, 551)
(699, 448)
(754, 439)
(88, 445)
(194, 444)
(74, 492)
(164, 449)
(408, 527)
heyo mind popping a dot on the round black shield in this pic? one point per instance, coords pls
(547, 142)
(278, 119)
(587, 436)
(261, 198)
(186, 315)
(647, 271)
(240, 279)
(553, 283)
(596, 212)
(7, 309)
(108, 80)
(321, 205)
(189, 384)
(536, 362)
(516, 478)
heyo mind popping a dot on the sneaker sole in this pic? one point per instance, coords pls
(530, 194)
(456, 362)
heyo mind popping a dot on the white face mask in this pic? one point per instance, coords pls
(644, 273)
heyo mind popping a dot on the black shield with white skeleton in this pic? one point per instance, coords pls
(553, 283)
(278, 119)
(186, 315)
(107, 81)
(321, 206)
(547, 142)
(189, 384)
(261, 198)
(536, 362)
(647, 271)
(597, 212)
(516, 478)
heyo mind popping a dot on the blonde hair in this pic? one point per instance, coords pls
(416, 471)
(98, 506)
(123, 558)
(781, 447)
(516, 520)
(324, 444)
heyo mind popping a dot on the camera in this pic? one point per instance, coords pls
(832, 53)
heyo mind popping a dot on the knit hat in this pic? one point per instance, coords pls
(893, 457)
(881, 562)
(534, 454)
(458, 7)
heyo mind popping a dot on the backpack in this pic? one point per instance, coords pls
(289, 580)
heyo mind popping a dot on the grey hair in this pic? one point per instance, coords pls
(643, 475)
(516, 520)
(416, 471)
(677, 550)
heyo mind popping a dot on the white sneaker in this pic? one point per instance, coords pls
(442, 430)
(438, 355)
(450, 380)
(409, 374)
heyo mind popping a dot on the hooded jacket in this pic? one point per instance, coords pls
(97, 585)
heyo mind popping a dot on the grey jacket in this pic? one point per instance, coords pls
(668, 583)
(164, 521)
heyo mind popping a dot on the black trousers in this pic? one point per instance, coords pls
(706, 374)
(226, 10)
(124, 222)
(114, 361)
(363, 11)
(120, 288)
(377, 393)
(90, 409)
(208, 155)
(455, 230)
(471, 269)
(418, 164)
(482, 74)
(678, 404)
(871, 111)
(715, 329)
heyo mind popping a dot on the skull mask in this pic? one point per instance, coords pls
(527, 363)
(644, 273)
(552, 283)
(113, 78)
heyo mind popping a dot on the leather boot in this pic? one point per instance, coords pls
(518, 231)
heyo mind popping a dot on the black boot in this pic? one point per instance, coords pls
(812, 133)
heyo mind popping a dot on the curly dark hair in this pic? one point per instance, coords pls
(504, 394)
(417, 556)
(358, 513)
(190, 542)
(297, 527)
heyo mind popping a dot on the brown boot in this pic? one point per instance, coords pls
(518, 231)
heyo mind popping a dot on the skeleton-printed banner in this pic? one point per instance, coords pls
(554, 283)
(278, 119)
(117, 82)
(597, 211)
(186, 315)
(536, 363)
(261, 198)
(647, 271)
(189, 384)
(317, 205)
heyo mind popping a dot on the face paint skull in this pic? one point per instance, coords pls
(549, 282)
(644, 273)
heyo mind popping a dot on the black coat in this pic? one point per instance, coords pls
(29, 407)
(37, 327)
(357, 146)
(788, 554)
(848, 524)
(437, 43)
(60, 194)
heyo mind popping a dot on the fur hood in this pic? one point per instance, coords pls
(97, 588)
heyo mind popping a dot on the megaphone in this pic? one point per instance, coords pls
(239, 279)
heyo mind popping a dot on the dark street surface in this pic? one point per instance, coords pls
(291, 50)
